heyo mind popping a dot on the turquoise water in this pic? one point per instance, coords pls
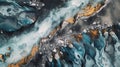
(85, 53)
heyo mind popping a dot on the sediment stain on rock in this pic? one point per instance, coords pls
(25, 60)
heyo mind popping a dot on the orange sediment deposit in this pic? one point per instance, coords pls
(52, 33)
(98, 7)
(1, 58)
(78, 37)
(25, 59)
(94, 33)
(70, 20)
(89, 10)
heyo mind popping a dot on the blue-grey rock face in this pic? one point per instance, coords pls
(13, 16)
(85, 52)
(91, 41)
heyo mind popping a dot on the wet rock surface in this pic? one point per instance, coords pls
(87, 38)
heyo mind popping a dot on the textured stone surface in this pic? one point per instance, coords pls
(67, 33)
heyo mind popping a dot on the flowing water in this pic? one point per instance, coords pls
(86, 53)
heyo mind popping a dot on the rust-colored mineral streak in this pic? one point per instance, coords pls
(94, 33)
(25, 59)
(89, 10)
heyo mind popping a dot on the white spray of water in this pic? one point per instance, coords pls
(23, 44)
